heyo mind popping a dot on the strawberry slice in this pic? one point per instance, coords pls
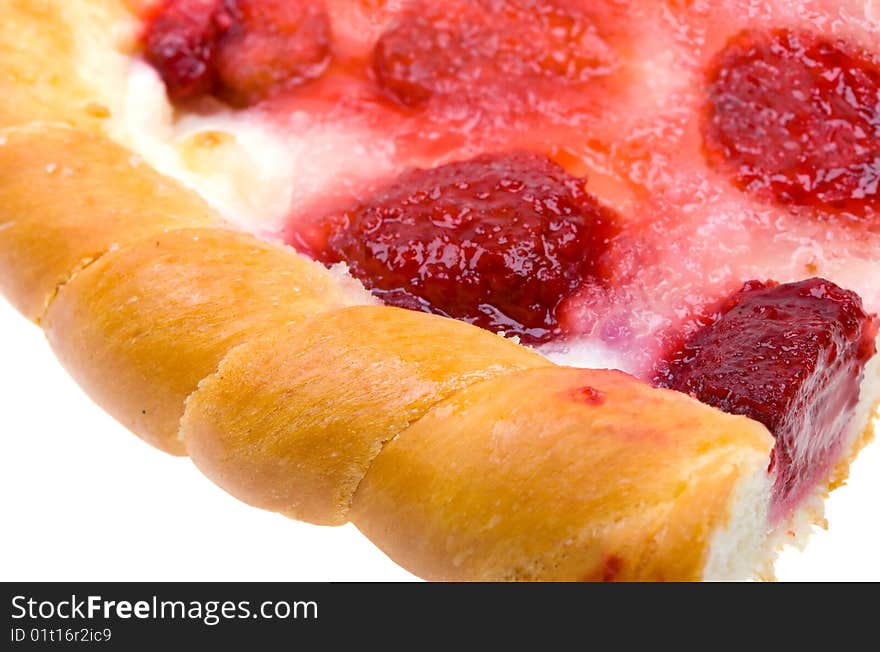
(242, 51)
(790, 356)
(271, 45)
(500, 241)
(795, 118)
(478, 50)
(180, 42)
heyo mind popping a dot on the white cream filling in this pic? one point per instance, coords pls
(252, 172)
(240, 167)
(585, 354)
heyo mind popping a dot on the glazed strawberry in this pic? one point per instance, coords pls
(500, 241)
(240, 50)
(180, 43)
(479, 49)
(790, 356)
(795, 118)
(271, 45)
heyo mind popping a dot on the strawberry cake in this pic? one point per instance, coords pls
(687, 191)
(681, 190)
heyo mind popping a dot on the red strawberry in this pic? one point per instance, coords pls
(790, 356)
(180, 43)
(271, 45)
(499, 241)
(240, 50)
(480, 49)
(795, 118)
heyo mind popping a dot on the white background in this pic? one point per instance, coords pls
(83, 499)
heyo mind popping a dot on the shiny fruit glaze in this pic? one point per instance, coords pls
(790, 356)
(795, 118)
(499, 241)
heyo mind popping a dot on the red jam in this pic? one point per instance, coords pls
(795, 118)
(790, 356)
(499, 241)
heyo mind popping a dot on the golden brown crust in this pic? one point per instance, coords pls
(558, 474)
(66, 198)
(43, 61)
(291, 422)
(140, 327)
